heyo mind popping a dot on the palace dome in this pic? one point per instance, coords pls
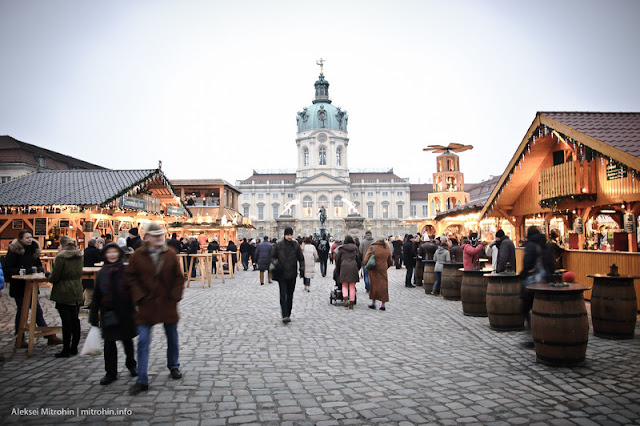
(321, 114)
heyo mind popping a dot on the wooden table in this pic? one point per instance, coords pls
(229, 255)
(32, 283)
(218, 259)
(47, 263)
(182, 259)
(90, 272)
(205, 271)
(559, 324)
(613, 306)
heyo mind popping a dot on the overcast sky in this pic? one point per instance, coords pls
(212, 88)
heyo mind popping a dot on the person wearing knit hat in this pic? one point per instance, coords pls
(67, 293)
(133, 240)
(156, 283)
(286, 255)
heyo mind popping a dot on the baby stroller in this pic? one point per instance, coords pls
(335, 296)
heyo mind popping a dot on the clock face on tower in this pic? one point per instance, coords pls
(322, 137)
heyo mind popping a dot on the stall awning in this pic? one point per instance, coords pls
(82, 187)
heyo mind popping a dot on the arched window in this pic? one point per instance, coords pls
(338, 209)
(323, 201)
(322, 156)
(306, 157)
(339, 156)
(451, 165)
(307, 206)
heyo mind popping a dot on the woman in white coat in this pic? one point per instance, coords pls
(310, 257)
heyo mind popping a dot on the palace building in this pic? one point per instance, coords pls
(322, 178)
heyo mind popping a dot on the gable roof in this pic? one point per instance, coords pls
(73, 187)
(420, 191)
(15, 151)
(388, 176)
(613, 134)
(272, 178)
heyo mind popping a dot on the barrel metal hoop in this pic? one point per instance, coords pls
(617, 299)
(549, 315)
(503, 294)
(544, 342)
(630, 321)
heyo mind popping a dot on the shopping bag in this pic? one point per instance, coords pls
(93, 342)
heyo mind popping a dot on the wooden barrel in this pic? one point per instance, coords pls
(613, 307)
(473, 292)
(418, 271)
(560, 328)
(428, 276)
(451, 280)
(504, 306)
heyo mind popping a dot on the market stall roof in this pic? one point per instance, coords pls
(81, 187)
(204, 183)
(615, 135)
(471, 207)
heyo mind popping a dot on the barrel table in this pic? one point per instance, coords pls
(504, 305)
(418, 272)
(428, 276)
(613, 306)
(473, 292)
(451, 280)
(559, 324)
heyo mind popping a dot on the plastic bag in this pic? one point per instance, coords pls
(93, 342)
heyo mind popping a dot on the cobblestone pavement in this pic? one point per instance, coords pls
(419, 362)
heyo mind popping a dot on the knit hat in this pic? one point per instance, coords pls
(500, 233)
(154, 229)
(134, 231)
(288, 231)
(112, 245)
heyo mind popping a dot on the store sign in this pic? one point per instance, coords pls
(629, 223)
(615, 171)
(175, 211)
(578, 225)
(132, 203)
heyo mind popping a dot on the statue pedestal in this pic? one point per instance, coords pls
(283, 222)
(354, 225)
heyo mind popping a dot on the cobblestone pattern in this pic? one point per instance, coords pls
(419, 362)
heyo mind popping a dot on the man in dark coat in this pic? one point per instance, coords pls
(245, 253)
(133, 240)
(397, 252)
(156, 283)
(91, 257)
(263, 258)
(556, 250)
(323, 254)
(456, 252)
(214, 247)
(506, 253)
(286, 255)
(427, 249)
(409, 258)
(174, 243)
(192, 248)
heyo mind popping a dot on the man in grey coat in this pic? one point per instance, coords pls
(364, 246)
(286, 255)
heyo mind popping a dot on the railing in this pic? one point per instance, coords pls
(569, 178)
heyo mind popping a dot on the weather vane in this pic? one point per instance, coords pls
(321, 63)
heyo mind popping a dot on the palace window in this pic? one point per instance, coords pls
(260, 212)
(400, 211)
(307, 206)
(274, 196)
(260, 196)
(370, 194)
(338, 206)
(400, 194)
(385, 211)
(323, 201)
(322, 156)
(425, 210)
(339, 156)
(306, 157)
(370, 211)
(385, 194)
(413, 211)
(275, 211)
(245, 211)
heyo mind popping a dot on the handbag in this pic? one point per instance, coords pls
(371, 263)
(110, 319)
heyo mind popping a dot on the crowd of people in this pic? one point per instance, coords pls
(140, 283)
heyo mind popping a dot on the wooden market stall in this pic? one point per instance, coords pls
(577, 173)
(213, 204)
(85, 203)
